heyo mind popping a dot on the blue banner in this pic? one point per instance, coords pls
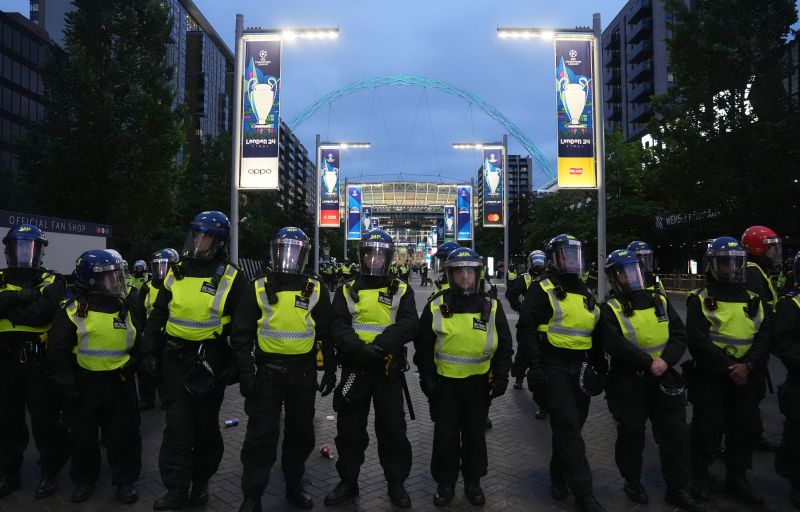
(354, 212)
(449, 223)
(464, 213)
(328, 186)
(366, 218)
(494, 188)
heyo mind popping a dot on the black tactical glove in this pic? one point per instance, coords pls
(536, 379)
(151, 366)
(229, 375)
(429, 385)
(497, 387)
(370, 356)
(327, 383)
(70, 394)
(248, 385)
(27, 295)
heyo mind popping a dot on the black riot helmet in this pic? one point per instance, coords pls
(289, 250)
(564, 255)
(375, 253)
(24, 246)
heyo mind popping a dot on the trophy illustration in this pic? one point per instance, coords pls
(367, 221)
(448, 221)
(573, 97)
(261, 98)
(330, 176)
(492, 176)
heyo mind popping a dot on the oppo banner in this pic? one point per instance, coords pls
(574, 100)
(366, 218)
(260, 112)
(328, 186)
(354, 212)
(494, 188)
(464, 212)
(449, 223)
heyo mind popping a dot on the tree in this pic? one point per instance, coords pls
(106, 151)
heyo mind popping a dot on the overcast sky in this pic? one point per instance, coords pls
(411, 129)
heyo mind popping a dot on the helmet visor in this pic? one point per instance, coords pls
(568, 257)
(729, 266)
(375, 258)
(289, 256)
(464, 277)
(626, 278)
(536, 263)
(646, 260)
(159, 267)
(199, 245)
(774, 252)
(24, 253)
(110, 283)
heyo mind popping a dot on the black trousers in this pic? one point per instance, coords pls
(787, 459)
(296, 392)
(722, 407)
(147, 386)
(25, 385)
(460, 407)
(192, 447)
(394, 450)
(109, 403)
(568, 408)
(632, 401)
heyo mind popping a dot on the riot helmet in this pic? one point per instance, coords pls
(464, 268)
(101, 272)
(160, 262)
(536, 262)
(763, 242)
(289, 250)
(24, 246)
(726, 260)
(375, 253)
(207, 237)
(623, 269)
(563, 253)
(645, 255)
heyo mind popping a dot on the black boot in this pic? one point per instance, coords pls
(589, 504)
(444, 494)
(82, 493)
(199, 496)
(699, 488)
(250, 505)
(176, 499)
(297, 496)
(9, 484)
(683, 500)
(126, 493)
(488, 423)
(518, 383)
(558, 488)
(636, 492)
(344, 492)
(474, 492)
(398, 495)
(737, 484)
(47, 487)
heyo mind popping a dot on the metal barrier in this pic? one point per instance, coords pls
(682, 281)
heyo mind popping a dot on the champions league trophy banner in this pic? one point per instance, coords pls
(260, 114)
(493, 188)
(574, 100)
(366, 218)
(449, 223)
(354, 212)
(328, 187)
(464, 212)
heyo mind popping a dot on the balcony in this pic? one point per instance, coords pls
(614, 77)
(641, 9)
(641, 72)
(613, 94)
(640, 113)
(614, 113)
(640, 52)
(612, 42)
(640, 31)
(641, 92)
(612, 58)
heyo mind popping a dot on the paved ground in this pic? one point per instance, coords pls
(519, 451)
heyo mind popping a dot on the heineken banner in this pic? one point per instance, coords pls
(464, 213)
(328, 186)
(260, 113)
(575, 101)
(449, 223)
(354, 212)
(494, 188)
(366, 218)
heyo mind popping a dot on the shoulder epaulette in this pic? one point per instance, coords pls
(435, 295)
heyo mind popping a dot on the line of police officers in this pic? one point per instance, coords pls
(96, 334)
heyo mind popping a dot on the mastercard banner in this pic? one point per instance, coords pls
(494, 187)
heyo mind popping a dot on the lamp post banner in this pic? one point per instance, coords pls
(328, 187)
(260, 113)
(575, 101)
(366, 218)
(464, 213)
(494, 188)
(354, 212)
(449, 223)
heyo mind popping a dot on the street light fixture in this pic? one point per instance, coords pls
(320, 147)
(595, 34)
(504, 146)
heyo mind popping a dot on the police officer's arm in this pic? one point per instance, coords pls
(501, 360)
(404, 328)
(676, 344)
(536, 310)
(61, 339)
(704, 352)
(609, 335)
(424, 344)
(323, 318)
(758, 355)
(139, 313)
(35, 313)
(514, 291)
(347, 341)
(243, 332)
(786, 334)
(758, 285)
(152, 340)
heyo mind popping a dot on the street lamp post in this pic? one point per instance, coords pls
(320, 147)
(595, 33)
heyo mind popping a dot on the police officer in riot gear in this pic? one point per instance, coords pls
(647, 263)
(442, 252)
(194, 309)
(28, 297)
(645, 338)
(274, 333)
(728, 334)
(374, 317)
(463, 352)
(556, 329)
(92, 356)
